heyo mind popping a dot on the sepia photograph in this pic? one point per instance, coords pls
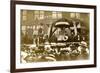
(54, 36)
(51, 36)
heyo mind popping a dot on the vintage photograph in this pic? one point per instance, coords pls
(54, 36)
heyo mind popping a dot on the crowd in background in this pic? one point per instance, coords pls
(50, 52)
(64, 42)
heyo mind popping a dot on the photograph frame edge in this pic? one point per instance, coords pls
(13, 34)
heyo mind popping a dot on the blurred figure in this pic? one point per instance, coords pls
(65, 53)
(74, 52)
(23, 55)
(84, 51)
(83, 48)
(48, 48)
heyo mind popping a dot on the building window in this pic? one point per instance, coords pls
(59, 15)
(23, 30)
(24, 15)
(39, 14)
(75, 15)
(36, 14)
(56, 15)
(23, 27)
(72, 15)
(48, 15)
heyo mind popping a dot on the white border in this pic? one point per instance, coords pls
(52, 64)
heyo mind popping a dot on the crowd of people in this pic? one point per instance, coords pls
(60, 42)
(54, 52)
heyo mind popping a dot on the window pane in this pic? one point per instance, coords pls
(72, 15)
(59, 15)
(48, 15)
(36, 14)
(54, 15)
(41, 14)
(41, 17)
(23, 27)
(24, 15)
(24, 12)
(24, 18)
(77, 15)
